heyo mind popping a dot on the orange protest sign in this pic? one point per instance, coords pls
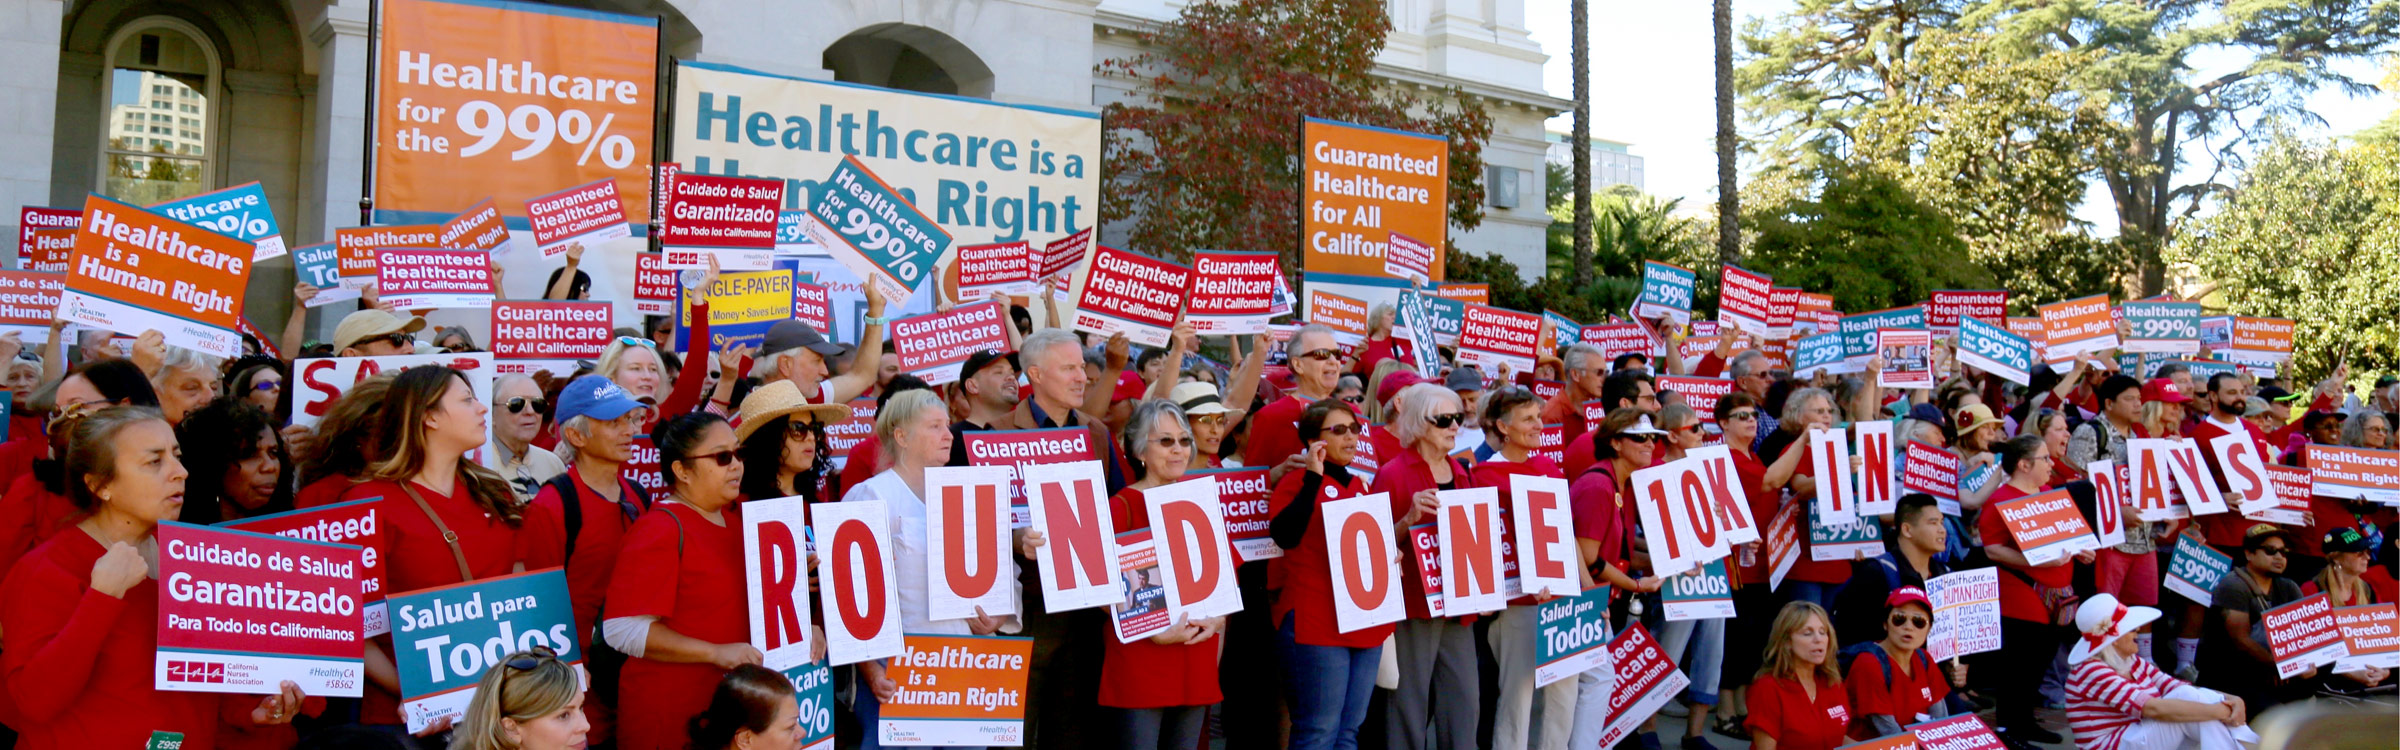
(509, 99)
(355, 248)
(2270, 336)
(958, 690)
(136, 271)
(2046, 526)
(2076, 326)
(1360, 184)
(1347, 317)
(477, 228)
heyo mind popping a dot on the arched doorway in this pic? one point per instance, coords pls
(909, 58)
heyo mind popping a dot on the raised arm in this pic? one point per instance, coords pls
(1183, 338)
(861, 375)
(54, 353)
(1243, 388)
(295, 329)
(565, 284)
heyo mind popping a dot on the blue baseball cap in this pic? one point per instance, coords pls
(596, 397)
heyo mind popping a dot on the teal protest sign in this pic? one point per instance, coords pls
(815, 684)
(2172, 327)
(320, 266)
(1705, 595)
(2203, 369)
(1842, 541)
(1974, 480)
(1666, 292)
(443, 639)
(1574, 637)
(240, 212)
(1993, 349)
(874, 231)
(791, 233)
(2195, 569)
(1570, 332)
(1449, 316)
(1416, 313)
(1858, 331)
(1818, 353)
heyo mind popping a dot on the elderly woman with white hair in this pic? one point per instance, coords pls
(1436, 654)
(2119, 701)
(184, 379)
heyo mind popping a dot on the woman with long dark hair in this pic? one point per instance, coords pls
(677, 604)
(345, 442)
(783, 442)
(445, 519)
(237, 462)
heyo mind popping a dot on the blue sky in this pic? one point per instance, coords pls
(1653, 86)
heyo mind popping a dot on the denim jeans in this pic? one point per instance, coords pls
(1699, 647)
(1328, 687)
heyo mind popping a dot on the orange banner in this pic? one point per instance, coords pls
(2266, 335)
(1359, 184)
(135, 271)
(514, 100)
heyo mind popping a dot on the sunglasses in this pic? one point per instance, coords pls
(527, 663)
(2276, 551)
(1693, 427)
(631, 341)
(799, 426)
(400, 339)
(723, 458)
(1445, 421)
(1355, 399)
(517, 405)
(1321, 354)
(1346, 428)
(1741, 415)
(1911, 621)
(267, 385)
(1642, 439)
(1169, 442)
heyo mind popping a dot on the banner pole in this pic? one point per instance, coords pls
(366, 159)
(662, 147)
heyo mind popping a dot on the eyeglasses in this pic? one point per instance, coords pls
(1910, 620)
(402, 339)
(538, 655)
(267, 385)
(1345, 428)
(2276, 551)
(799, 426)
(517, 405)
(1740, 415)
(631, 341)
(1445, 421)
(1359, 399)
(1693, 427)
(1643, 439)
(1208, 419)
(1321, 354)
(723, 457)
(1174, 442)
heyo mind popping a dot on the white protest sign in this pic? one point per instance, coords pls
(1469, 531)
(1837, 499)
(1725, 488)
(967, 542)
(861, 588)
(1679, 516)
(1878, 485)
(2150, 483)
(1545, 536)
(775, 565)
(2191, 476)
(1364, 557)
(1966, 613)
(1078, 564)
(2108, 502)
(2244, 469)
(1195, 554)
(318, 381)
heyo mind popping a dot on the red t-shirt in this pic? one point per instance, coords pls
(1806, 568)
(1578, 453)
(323, 492)
(29, 515)
(597, 542)
(2018, 600)
(1496, 473)
(686, 571)
(419, 559)
(1143, 674)
(1274, 433)
(1597, 507)
(1763, 504)
(860, 466)
(1402, 478)
(1780, 708)
(78, 664)
(1307, 593)
(1912, 691)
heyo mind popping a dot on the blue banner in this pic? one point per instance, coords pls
(815, 684)
(240, 212)
(1818, 353)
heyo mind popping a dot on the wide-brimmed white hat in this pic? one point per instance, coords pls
(2102, 620)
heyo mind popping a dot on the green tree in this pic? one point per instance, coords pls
(2312, 234)
(1729, 198)
(1209, 157)
(1863, 238)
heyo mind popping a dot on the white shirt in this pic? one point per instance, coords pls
(912, 555)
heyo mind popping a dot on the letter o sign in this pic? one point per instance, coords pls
(854, 549)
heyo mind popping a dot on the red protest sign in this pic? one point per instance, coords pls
(549, 330)
(643, 469)
(2302, 634)
(844, 435)
(1491, 337)
(242, 612)
(1542, 389)
(1423, 560)
(1004, 267)
(1232, 292)
(477, 228)
(1593, 412)
(136, 271)
(1748, 303)
(1407, 257)
(417, 278)
(1021, 448)
(352, 523)
(1947, 306)
(2291, 496)
(1699, 393)
(2046, 526)
(1063, 255)
(1619, 338)
(1933, 471)
(356, 246)
(812, 304)
(1646, 679)
(1782, 542)
(586, 214)
(731, 217)
(28, 300)
(1554, 443)
(1245, 496)
(935, 345)
(1783, 308)
(1364, 557)
(1133, 293)
(859, 586)
(32, 220)
(654, 286)
(1966, 732)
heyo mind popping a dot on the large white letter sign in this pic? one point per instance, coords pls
(1469, 530)
(1837, 499)
(862, 591)
(1877, 495)
(968, 564)
(2108, 502)
(1678, 516)
(2245, 471)
(1195, 554)
(776, 567)
(1078, 562)
(2192, 476)
(2150, 483)
(1364, 559)
(1734, 520)
(1545, 526)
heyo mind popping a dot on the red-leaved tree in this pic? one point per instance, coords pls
(1211, 159)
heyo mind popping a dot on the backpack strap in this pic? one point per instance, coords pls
(570, 503)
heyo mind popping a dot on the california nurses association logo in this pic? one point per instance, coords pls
(196, 672)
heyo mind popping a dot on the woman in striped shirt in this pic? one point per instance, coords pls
(2118, 701)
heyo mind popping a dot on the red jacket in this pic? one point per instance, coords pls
(1403, 476)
